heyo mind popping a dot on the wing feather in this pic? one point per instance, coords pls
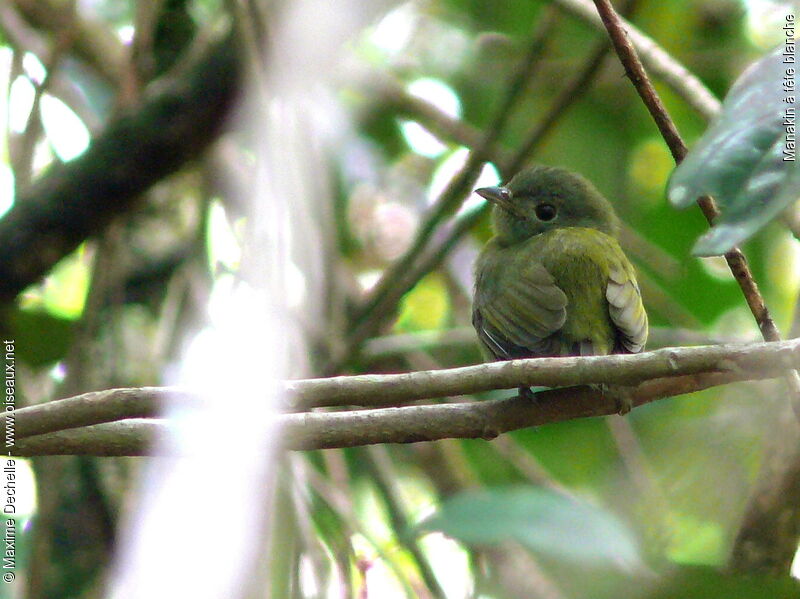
(625, 307)
(520, 311)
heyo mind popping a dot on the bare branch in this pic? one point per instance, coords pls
(760, 359)
(772, 522)
(735, 258)
(740, 361)
(409, 424)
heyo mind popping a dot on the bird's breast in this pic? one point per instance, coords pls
(578, 260)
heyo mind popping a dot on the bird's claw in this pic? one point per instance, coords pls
(621, 396)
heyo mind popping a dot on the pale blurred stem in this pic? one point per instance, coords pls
(338, 497)
(765, 503)
(12, 139)
(663, 66)
(658, 300)
(23, 164)
(51, 473)
(384, 475)
(310, 542)
(767, 538)
(94, 43)
(283, 552)
(338, 541)
(23, 38)
(646, 484)
(528, 466)
(141, 56)
(377, 306)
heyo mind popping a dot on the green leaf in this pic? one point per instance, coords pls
(743, 159)
(41, 338)
(541, 520)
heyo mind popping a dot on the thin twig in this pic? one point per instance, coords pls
(95, 43)
(735, 258)
(23, 164)
(574, 88)
(767, 538)
(384, 475)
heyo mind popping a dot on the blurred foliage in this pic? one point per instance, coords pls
(546, 522)
(660, 494)
(746, 160)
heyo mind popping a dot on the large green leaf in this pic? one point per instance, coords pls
(542, 520)
(746, 158)
(41, 338)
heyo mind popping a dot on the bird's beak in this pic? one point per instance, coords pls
(501, 196)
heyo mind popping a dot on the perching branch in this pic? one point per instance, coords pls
(409, 424)
(617, 369)
(691, 366)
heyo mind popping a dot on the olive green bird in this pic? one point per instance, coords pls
(553, 281)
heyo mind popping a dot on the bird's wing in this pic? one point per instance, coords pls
(519, 309)
(625, 306)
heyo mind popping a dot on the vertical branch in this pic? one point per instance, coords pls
(635, 71)
(767, 539)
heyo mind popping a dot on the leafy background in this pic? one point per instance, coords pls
(645, 507)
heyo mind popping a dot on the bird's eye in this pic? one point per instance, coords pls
(545, 212)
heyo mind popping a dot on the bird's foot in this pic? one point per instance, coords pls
(527, 393)
(623, 400)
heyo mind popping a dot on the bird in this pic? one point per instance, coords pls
(554, 281)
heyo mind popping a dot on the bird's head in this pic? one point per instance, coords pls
(543, 198)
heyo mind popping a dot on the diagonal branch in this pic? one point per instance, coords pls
(635, 71)
(767, 539)
(76, 200)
